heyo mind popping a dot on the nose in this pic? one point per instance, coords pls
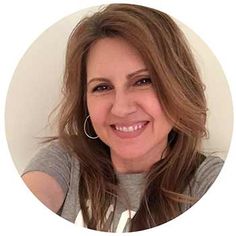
(123, 104)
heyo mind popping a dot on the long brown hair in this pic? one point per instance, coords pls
(180, 91)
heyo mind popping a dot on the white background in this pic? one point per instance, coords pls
(21, 22)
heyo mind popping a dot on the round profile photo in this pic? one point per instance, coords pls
(114, 118)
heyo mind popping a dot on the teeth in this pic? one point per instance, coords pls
(129, 128)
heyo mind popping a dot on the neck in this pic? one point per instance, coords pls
(137, 164)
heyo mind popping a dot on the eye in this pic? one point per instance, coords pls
(101, 88)
(143, 82)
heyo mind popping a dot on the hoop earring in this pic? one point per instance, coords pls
(86, 133)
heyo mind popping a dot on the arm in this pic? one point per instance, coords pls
(45, 188)
(47, 175)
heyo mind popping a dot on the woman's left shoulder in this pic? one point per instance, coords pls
(206, 174)
(209, 167)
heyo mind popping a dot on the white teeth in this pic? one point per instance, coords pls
(129, 128)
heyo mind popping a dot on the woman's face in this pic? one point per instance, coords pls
(123, 106)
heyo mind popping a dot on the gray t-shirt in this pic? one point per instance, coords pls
(58, 163)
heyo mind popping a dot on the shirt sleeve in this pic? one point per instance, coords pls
(54, 161)
(206, 175)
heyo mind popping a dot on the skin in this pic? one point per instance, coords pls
(120, 94)
(45, 188)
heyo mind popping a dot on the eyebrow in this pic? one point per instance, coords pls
(129, 76)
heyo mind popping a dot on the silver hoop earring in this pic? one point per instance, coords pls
(86, 133)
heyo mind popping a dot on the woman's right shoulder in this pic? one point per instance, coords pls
(53, 150)
(48, 174)
(54, 146)
(55, 160)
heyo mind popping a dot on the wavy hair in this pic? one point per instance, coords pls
(178, 86)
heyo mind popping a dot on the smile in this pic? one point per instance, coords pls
(129, 130)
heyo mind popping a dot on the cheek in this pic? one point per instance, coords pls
(153, 107)
(156, 110)
(151, 104)
(97, 111)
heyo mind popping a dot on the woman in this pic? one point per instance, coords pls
(128, 152)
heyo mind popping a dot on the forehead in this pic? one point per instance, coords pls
(109, 56)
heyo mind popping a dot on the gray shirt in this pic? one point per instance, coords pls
(58, 163)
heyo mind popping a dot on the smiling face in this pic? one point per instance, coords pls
(123, 106)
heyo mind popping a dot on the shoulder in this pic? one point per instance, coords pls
(206, 174)
(54, 146)
(55, 160)
(53, 152)
(210, 167)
